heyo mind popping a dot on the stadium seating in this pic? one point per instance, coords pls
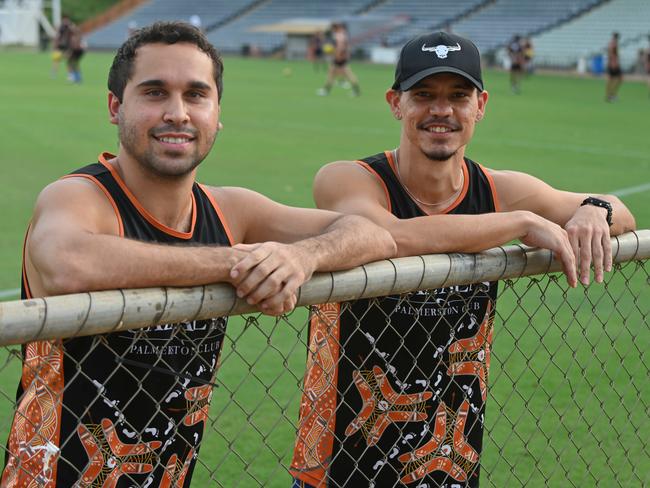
(210, 12)
(236, 34)
(421, 15)
(589, 34)
(494, 25)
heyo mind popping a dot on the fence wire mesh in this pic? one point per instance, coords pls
(382, 392)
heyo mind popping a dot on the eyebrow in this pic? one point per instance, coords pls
(196, 85)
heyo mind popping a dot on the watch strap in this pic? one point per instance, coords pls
(598, 202)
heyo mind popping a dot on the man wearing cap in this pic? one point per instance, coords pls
(395, 389)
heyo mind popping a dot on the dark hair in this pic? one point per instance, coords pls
(160, 32)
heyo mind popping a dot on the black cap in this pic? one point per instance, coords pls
(438, 52)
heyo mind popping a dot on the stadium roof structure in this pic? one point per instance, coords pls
(295, 26)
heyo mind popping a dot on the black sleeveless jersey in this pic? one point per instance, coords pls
(395, 387)
(127, 408)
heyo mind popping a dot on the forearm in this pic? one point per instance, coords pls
(347, 242)
(459, 233)
(103, 262)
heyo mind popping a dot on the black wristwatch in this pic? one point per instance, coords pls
(602, 204)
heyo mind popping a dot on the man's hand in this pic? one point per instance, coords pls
(589, 235)
(270, 274)
(548, 235)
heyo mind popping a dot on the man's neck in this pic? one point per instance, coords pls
(434, 182)
(168, 200)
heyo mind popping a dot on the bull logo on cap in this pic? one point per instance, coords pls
(441, 50)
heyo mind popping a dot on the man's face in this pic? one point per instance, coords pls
(169, 114)
(438, 114)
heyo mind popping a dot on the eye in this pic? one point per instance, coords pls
(196, 94)
(460, 94)
(154, 92)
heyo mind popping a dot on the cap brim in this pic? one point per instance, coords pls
(408, 83)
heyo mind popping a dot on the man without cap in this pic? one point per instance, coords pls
(614, 72)
(395, 388)
(129, 408)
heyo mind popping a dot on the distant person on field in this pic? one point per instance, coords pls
(647, 64)
(340, 59)
(517, 63)
(395, 388)
(76, 50)
(61, 43)
(129, 408)
(614, 72)
(529, 55)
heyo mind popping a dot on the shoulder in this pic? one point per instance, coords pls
(346, 172)
(76, 198)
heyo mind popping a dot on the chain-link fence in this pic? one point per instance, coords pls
(383, 392)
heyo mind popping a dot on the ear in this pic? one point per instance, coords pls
(482, 102)
(114, 105)
(393, 98)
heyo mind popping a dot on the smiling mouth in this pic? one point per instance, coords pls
(174, 140)
(437, 129)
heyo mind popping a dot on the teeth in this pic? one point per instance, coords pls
(439, 129)
(174, 140)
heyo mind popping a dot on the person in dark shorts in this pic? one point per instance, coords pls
(647, 64)
(340, 59)
(75, 52)
(61, 43)
(129, 408)
(517, 63)
(614, 73)
(395, 388)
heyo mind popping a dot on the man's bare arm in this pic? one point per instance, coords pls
(348, 188)
(586, 225)
(302, 241)
(73, 246)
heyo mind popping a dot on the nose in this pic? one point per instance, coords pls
(176, 112)
(440, 107)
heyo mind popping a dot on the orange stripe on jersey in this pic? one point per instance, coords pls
(463, 192)
(493, 188)
(217, 209)
(143, 211)
(315, 440)
(108, 195)
(368, 168)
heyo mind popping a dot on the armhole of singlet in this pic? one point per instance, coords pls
(108, 195)
(370, 170)
(217, 209)
(28, 291)
(493, 188)
(463, 193)
(145, 213)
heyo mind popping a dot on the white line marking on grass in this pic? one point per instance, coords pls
(631, 190)
(9, 293)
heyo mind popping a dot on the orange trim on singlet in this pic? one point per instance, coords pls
(455, 203)
(143, 211)
(463, 192)
(217, 209)
(493, 188)
(368, 168)
(108, 195)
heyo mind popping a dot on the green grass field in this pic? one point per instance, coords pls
(569, 422)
